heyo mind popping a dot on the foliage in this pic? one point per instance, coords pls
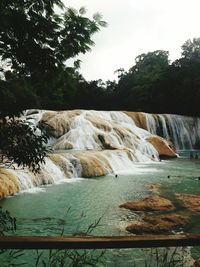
(7, 226)
(152, 85)
(34, 71)
(16, 95)
(7, 222)
(35, 44)
(52, 258)
(155, 85)
(191, 49)
(35, 40)
(21, 144)
(167, 257)
(68, 258)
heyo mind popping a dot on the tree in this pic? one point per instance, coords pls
(35, 43)
(21, 144)
(191, 49)
(150, 66)
(34, 40)
(7, 223)
(134, 90)
(187, 72)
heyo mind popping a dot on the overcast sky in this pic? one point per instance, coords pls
(135, 27)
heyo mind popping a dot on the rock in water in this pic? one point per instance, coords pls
(157, 224)
(191, 202)
(151, 203)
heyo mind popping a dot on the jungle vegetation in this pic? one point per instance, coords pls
(36, 43)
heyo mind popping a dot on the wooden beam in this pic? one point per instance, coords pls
(97, 242)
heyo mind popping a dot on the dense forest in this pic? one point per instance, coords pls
(35, 44)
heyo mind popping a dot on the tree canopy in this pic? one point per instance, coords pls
(154, 84)
(35, 43)
(34, 39)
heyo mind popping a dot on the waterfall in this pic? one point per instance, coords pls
(89, 143)
(183, 131)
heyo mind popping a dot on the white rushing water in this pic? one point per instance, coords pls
(183, 131)
(105, 141)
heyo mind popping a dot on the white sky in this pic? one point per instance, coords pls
(135, 27)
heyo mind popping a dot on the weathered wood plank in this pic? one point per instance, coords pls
(97, 242)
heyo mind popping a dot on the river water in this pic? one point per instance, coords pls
(74, 205)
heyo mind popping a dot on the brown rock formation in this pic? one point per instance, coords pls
(59, 161)
(138, 117)
(157, 224)
(154, 188)
(59, 121)
(93, 164)
(191, 202)
(151, 203)
(62, 143)
(106, 142)
(164, 149)
(9, 184)
(99, 123)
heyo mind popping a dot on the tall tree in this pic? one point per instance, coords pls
(35, 43)
(135, 87)
(191, 49)
(34, 39)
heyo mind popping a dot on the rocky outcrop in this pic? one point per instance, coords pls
(105, 141)
(100, 130)
(162, 224)
(59, 121)
(139, 118)
(164, 148)
(100, 142)
(191, 202)
(151, 203)
(99, 123)
(93, 164)
(154, 188)
(9, 184)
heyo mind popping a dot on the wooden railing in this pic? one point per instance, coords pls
(98, 242)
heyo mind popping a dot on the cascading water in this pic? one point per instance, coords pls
(183, 131)
(89, 143)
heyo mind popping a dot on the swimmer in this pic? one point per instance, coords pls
(116, 175)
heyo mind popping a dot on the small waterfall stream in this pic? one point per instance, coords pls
(183, 131)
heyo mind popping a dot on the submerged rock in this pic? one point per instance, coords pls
(154, 188)
(157, 224)
(191, 202)
(151, 203)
